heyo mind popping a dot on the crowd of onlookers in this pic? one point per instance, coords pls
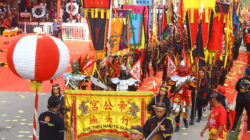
(10, 20)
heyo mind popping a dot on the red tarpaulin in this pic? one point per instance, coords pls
(215, 39)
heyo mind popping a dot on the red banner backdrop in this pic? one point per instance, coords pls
(97, 3)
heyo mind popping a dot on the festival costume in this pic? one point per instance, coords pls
(75, 80)
(180, 85)
(158, 99)
(124, 82)
(152, 125)
(201, 98)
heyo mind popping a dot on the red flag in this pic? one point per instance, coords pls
(216, 35)
(113, 70)
(89, 63)
(171, 67)
(136, 70)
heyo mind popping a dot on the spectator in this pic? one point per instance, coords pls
(14, 21)
(217, 119)
(55, 28)
(7, 22)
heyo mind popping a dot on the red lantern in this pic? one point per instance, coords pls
(38, 57)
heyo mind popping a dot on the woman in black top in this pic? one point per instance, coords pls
(161, 97)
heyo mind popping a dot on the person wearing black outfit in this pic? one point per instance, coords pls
(155, 59)
(145, 64)
(199, 100)
(100, 74)
(51, 124)
(136, 133)
(161, 97)
(243, 99)
(56, 91)
(165, 128)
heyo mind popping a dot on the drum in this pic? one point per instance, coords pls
(157, 136)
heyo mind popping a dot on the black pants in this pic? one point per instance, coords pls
(154, 65)
(177, 118)
(241, 103)
(55, 34)
(200, 103)
(145, 71)
(164, 73)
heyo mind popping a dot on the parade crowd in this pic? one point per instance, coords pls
(185, 94)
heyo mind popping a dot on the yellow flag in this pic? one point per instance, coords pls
(105, 111)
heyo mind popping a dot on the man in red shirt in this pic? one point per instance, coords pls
(217, 119)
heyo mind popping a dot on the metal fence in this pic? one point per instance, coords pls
(70, 31)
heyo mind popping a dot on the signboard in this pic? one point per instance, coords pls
(105, 111)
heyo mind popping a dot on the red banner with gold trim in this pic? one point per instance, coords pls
(96, 3)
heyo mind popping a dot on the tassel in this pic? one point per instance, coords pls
(85, 13)
(96, 12)
(102, 13)
(192, 16)
(108, 14)
(35, 86)
(92, 13)
(207, 13)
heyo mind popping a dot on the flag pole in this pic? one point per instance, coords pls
(109, 29)
(35, 114)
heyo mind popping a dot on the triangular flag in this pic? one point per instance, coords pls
(171, 67)
(136, 70)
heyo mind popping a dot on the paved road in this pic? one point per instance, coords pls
(16, 118)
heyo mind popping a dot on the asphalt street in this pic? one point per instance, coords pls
(17, 111)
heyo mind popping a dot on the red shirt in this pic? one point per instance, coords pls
(217, 117)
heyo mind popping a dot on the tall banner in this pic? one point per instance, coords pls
(95, 112)
(96, 3)
(216, 35)
(98, 25)
(193, 19)
(118, 30)
(136, 22)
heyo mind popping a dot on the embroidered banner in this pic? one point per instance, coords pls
(98, 27)
(104, 111)
(115, 35)
(136, 22)
(96, 3)
(118, 30)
